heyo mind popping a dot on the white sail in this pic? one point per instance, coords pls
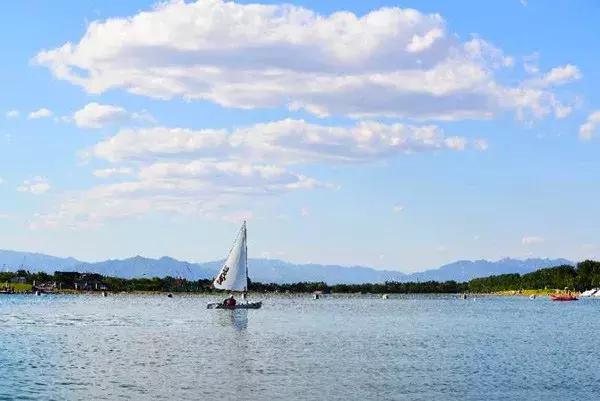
(233, 276)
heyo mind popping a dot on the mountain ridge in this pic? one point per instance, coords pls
(272, 270)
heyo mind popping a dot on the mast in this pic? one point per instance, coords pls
(246, 252)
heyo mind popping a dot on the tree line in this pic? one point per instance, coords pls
(584, 275)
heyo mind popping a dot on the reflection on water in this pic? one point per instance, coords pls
(238, 318)
(296, 348)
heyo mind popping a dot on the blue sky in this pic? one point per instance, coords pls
(396, 135)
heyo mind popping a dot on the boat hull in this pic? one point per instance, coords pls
(563, 298)
(249, 305)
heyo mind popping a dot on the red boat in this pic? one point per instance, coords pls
(563, 297)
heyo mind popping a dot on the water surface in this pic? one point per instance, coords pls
(296, 348)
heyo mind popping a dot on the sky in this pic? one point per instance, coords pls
(399, 135)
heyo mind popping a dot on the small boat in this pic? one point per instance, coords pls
(233, 275)
(589, 293)
(563, 297)
(249, 305)
(532, 296)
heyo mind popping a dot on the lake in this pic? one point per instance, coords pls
(295, 348)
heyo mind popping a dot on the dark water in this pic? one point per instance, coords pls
(337, 348)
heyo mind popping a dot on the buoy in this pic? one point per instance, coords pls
(38, 293)
(315, 296)
(385, 296)
(104, 294)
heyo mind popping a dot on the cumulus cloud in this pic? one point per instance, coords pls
(532, 240)
(285, 141)
(588, 129)
(36, 186)
(40, 113)
(389, 62)
(95, 115)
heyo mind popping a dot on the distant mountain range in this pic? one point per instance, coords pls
(270, 270)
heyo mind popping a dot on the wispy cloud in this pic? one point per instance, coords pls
(113, 171)
(95, 115)
(40, 113)
(398, 208)
(36, 186)
(11, 114)
(532, 240)
(588, 129)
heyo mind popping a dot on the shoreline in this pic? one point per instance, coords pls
(506, 293)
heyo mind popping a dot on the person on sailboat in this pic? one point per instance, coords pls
(230, 302)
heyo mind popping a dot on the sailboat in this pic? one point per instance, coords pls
(233, 275)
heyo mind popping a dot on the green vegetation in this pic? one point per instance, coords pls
(18, 287)
(584, 276)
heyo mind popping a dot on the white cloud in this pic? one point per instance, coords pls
(36, 186)
(230, 177)
(398, 208)
(481, 144)
(110, 172)
(532, 240)
(40, 113)
(238, 216)
(390, 62)
(562, 75)
(530, 63)
(95, 115)
(419, 43)
(210, 172)
(195, 188)
(285, 141)
(304, 212)
(13, 114)
(588, 129)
